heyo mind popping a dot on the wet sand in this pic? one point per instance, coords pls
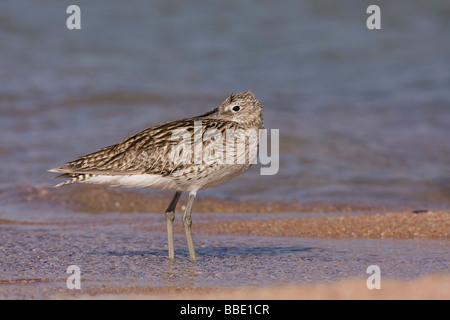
(330, 220)
(395, 225)
(246, 249)
(100, 199)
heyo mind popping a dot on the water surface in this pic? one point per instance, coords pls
(363, 115)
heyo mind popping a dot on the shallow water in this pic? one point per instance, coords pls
(118, 251)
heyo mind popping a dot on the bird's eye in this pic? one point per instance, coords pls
(236, 108)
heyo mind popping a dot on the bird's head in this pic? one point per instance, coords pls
(243, 108)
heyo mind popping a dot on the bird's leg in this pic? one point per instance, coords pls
(187, 222)
(170, 216)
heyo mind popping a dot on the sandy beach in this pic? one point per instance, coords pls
(247, 249)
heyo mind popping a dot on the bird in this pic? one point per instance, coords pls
(184, 155)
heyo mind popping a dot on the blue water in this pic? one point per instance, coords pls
(364, 115)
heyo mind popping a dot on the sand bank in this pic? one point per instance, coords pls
(396, 225)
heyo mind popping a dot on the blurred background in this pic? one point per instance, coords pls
(364, 115)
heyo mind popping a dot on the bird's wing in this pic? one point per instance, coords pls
(162, 149)
(146, 152)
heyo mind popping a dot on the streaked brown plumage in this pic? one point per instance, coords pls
(154, 158)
